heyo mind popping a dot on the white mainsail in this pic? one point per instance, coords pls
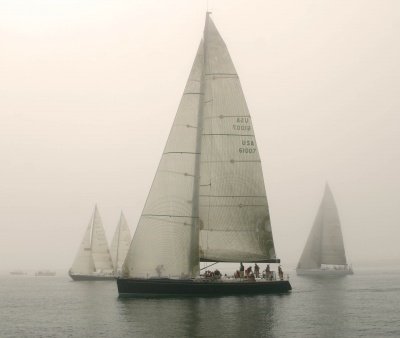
(93, 254)
(325, 242)
(207, 200)
(120, 244)
(234, 214)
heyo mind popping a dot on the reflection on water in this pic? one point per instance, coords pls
(324, 305)
(203, 316)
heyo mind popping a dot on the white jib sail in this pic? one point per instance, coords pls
(120, 244)
(83, 263)
(100, 251)
(161, 243)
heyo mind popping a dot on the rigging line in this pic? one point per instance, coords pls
(209, 266)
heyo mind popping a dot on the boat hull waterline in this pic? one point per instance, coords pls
(130, 287)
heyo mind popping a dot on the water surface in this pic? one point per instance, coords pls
(363, 305)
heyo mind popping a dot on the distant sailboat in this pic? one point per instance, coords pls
(93, 260)
(324, 252)
(120, 244)
(208, 201)
(45, 273)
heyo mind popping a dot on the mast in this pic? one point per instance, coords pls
(118, 238)
(194, 259)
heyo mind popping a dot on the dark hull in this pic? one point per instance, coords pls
(90, 278)
(157, 287)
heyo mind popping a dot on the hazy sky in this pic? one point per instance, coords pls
(89, 90)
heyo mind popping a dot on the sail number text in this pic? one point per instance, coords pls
(242, 124)
(248, 147)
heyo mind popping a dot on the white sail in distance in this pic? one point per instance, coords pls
(93, 254)
(325, 242)
(100, 251)
(83, 263)
(120, 244)
(207, 200)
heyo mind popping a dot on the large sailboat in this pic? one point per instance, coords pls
(207, 202)
(324, 252)
(93, 260)
(120, 244)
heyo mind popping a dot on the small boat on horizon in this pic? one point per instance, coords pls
(324, 253)
(18, 273)
(93, 260)
(45, 273)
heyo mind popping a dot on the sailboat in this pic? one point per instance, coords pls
(207, 202)
(93, 260)
(324, 252)
(120, 244)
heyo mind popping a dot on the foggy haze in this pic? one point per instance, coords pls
(89, 90)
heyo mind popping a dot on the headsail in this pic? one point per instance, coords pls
(83, 263)
(161, 243)
(325, 242)
(100, 251)
(234, 214)
(120, 244)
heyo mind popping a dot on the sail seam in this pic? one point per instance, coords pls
(154, 215)
(228, 135)
(180, 152)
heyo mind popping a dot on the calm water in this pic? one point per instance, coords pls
(364, 305)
